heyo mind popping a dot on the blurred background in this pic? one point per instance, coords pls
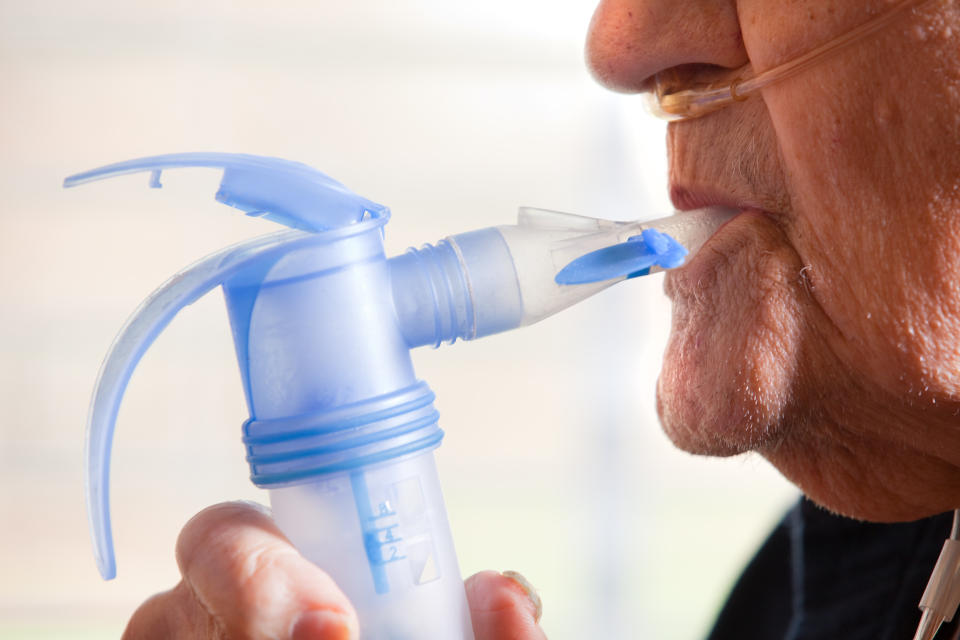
(452, 113)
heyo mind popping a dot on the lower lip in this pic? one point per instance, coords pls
(717, 244)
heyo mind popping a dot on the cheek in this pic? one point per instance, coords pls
(774, 32)
(897, 306)
(730, 367)
(874, 195)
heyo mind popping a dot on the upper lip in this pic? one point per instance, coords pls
(686, 197)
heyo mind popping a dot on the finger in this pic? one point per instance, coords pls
(504, 607)
(171, 614)
(255, 585)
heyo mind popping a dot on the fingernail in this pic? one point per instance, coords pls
(529, 590)
(329, 625)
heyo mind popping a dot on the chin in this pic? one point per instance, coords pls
(731, 365)
(754, 363)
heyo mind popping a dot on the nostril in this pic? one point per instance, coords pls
(629, 42)
(684, 76)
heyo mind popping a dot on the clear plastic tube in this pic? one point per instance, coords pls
(672, 100)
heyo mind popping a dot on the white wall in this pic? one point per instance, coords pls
(453, 114)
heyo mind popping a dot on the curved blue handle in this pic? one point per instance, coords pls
(136, 336)
(290, 193)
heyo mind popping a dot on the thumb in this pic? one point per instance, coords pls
(504, 606)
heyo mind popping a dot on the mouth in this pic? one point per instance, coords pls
(735, 212)
(685, 198)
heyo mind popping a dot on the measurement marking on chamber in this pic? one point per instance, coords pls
(384, 510)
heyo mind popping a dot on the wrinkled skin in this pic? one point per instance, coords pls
(821, 327)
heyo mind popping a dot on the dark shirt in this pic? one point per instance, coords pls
(822, 577)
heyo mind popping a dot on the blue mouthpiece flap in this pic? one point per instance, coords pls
(136, 336)
(290, 193)
(627, 259)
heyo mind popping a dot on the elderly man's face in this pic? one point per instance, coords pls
(820, 327)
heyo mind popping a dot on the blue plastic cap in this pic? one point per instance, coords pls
(290, 193)
(627, 259)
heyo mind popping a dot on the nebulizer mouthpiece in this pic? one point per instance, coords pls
(341, 432)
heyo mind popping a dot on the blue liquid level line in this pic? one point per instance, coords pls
(371, 541)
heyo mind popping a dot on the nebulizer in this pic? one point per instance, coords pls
(341, 431)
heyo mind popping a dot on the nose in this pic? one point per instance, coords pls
(629, 41)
